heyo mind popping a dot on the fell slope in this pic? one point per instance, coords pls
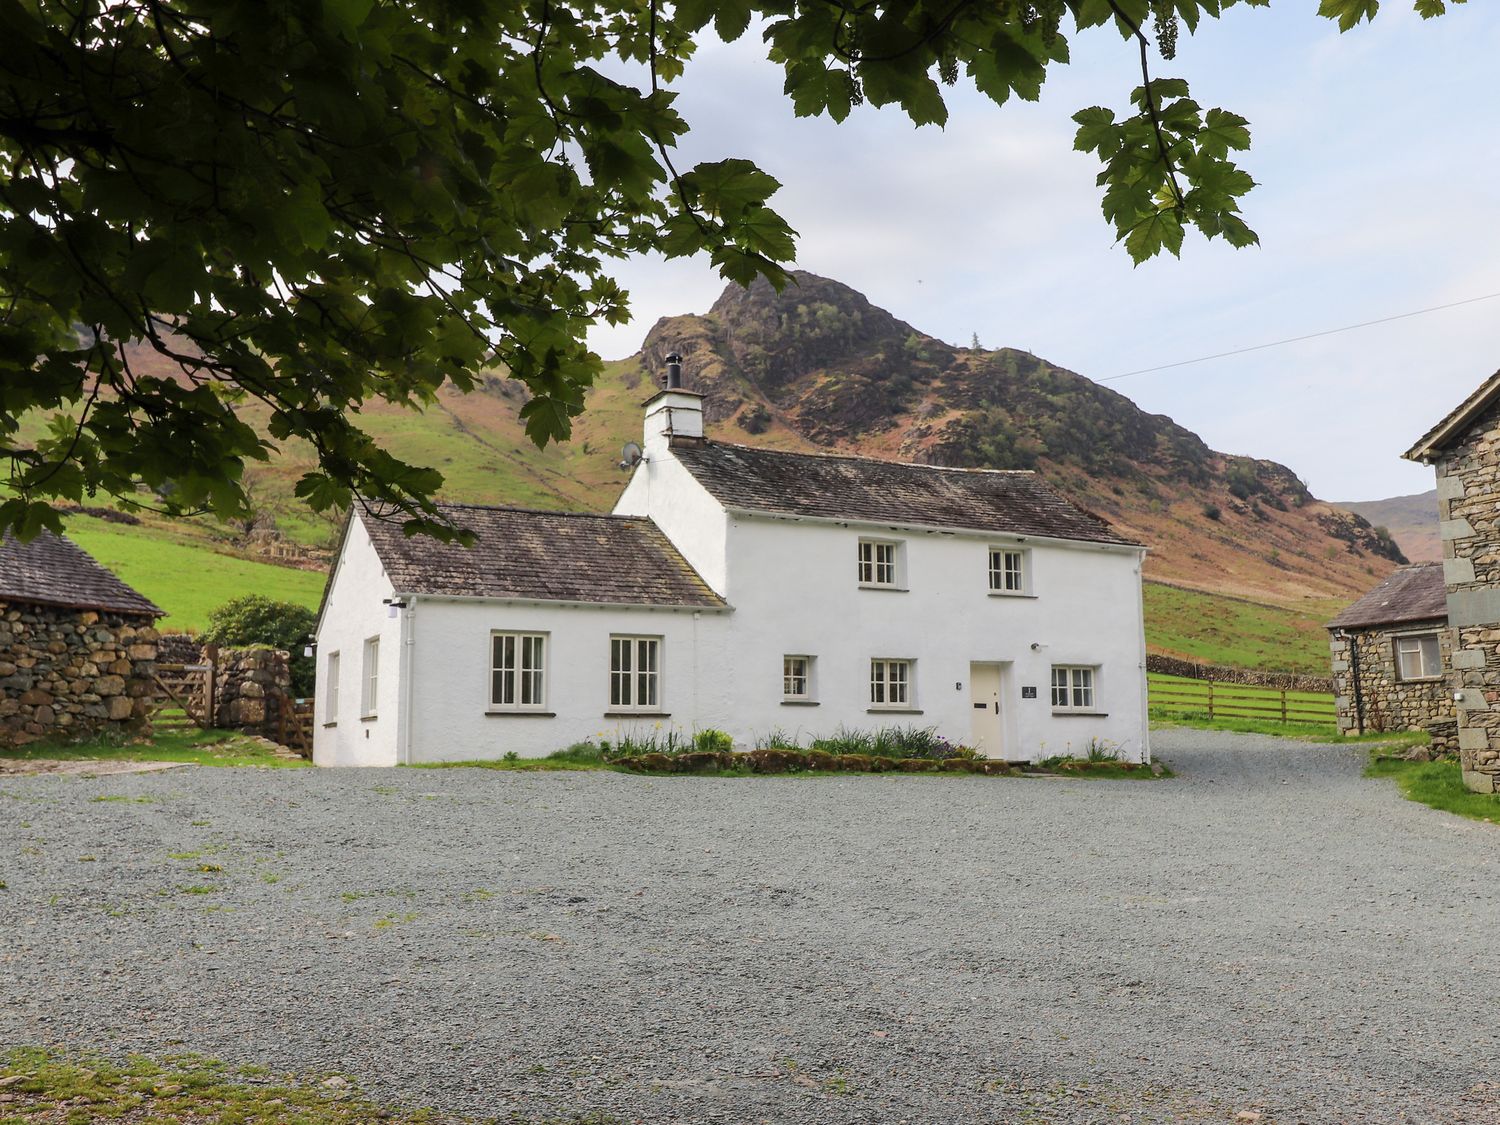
(1411, 520)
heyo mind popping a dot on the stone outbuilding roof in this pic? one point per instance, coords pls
(543, 556)
(51, 570)
(834, 486)
(1413, 593)
(1451, 429)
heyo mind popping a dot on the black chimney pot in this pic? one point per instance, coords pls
(674, 372)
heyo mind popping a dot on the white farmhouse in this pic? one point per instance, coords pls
(743, 589)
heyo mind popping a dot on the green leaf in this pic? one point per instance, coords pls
(1348, 12)
(1161, 230)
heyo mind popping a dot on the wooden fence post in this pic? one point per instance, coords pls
(210, 704)
(1283, 706)
(1210, 701)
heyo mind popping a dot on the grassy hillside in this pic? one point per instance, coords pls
(1221, 630)
(184, 576)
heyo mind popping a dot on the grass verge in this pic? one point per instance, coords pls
(1438, 785)
(1297, 732)
(197, 747)
(38, 1086)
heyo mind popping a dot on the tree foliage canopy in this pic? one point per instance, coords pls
(314, 204)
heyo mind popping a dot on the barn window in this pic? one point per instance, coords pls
(1418, 657)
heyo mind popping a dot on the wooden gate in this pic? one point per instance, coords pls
(294, 723)
(187, 693)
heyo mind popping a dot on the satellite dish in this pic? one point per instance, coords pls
(630, 455)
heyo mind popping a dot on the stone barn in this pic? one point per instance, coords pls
(1464, 450)
(77, 645)
(1392, 658)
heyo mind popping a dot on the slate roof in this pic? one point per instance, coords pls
(51, 570)
(1454, 424)
(544, 556)
(1413, 593)
(833, 486)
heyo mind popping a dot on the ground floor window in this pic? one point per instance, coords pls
(796, 678)
(518, 670)
(634, 673)
(1418, 657)
(1072, 687)
(890, 683)
(331, 689)
(370, 693)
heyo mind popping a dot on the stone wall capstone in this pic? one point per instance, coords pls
(73, 672)
(249, 686)
(1389, 703)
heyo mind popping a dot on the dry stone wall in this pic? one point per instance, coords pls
(1223, 674)
(1468, 484)
(1389, 703)
(250, 684)
(70, 672)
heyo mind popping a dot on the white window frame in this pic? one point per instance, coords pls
(790, 677)
(880, 564)
(627, 680)
(1079, 687)
(1007, 580)
(893, 684)
(1416, 640)
(331, 688)
(525, 664)
(369, 683)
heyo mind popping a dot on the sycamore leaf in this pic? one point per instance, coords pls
(1348, 12)
(1161, 230)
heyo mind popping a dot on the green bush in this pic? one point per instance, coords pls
(257, 620)
(672, 744)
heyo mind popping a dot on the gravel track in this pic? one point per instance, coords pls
(1268, 933)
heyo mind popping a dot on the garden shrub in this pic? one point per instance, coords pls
(255, 619)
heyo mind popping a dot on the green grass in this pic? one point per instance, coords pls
(78, 1090)
(182, 574)
(1438, 785)
(198, 747)
(1221, 630)
(1301, 732)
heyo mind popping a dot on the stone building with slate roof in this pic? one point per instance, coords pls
(1464, 449)
(746, 590)
(77, 645)
(1392, 658)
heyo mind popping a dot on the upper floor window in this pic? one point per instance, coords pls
(1072, 688)
(797, 679)
(1418, 657)
(634, 673)
(370, 681)
(890, 683)
(518, 670)
(1008, 571)
(878, 562)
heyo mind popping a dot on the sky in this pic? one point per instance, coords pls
(1377, 155)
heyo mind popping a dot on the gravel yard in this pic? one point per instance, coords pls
(1269, 933)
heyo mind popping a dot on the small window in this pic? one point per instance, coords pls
(1008, 571)
(877, 562)
(1418, 657)
(1072, 688)
(331, 689)
(797, 678)
(634, 673)
(518, 671)
(371, 680)
(890, 683)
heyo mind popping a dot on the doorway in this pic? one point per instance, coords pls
(986, 724)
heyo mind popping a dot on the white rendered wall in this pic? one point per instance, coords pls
(352, 614)
(450, 685)
(692, 519)
(796, 592)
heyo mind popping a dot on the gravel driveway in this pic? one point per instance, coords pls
(1269, 933)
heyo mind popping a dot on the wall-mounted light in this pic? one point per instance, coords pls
(393, 606)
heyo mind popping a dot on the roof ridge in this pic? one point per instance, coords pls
(834, 455)
(466, 505)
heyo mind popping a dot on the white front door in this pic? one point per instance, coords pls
(985, 725)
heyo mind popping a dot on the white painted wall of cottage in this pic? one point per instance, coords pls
(451, 676)
(690, 517)
(352, 613)
(796, 591)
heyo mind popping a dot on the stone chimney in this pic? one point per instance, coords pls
(672, 412)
